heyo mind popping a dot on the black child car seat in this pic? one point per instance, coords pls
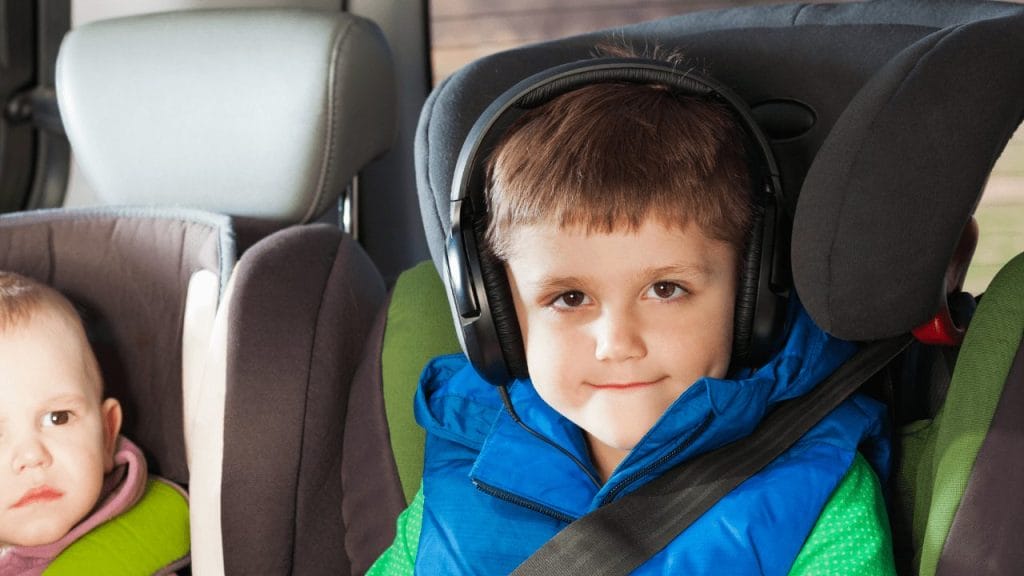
(885, 119)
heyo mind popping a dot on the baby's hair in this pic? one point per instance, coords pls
(609, 155)
(22, 297)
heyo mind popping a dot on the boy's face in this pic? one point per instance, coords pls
(56, 437)
(616, 326)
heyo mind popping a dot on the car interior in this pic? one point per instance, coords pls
(262, 304)
(192, 306)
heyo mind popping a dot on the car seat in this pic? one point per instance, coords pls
(962, 469)
(214, 135)
(885, 116)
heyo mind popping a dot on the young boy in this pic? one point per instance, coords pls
(63, 468)
(620, 212)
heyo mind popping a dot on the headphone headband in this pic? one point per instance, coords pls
(547, 85)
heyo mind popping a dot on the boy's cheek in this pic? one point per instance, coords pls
(548, 355)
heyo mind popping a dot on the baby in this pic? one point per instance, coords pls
(63, 468)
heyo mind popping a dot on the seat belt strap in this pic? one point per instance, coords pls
(617, 538)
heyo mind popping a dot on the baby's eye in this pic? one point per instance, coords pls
(57, 418)
(571, 299)
(665, 291)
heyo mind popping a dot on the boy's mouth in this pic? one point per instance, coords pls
(40, 494)
(627, 385)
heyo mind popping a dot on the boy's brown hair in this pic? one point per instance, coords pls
(610, 155)
(22, 297)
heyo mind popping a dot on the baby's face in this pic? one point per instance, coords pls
(616, 326)
(55, 434)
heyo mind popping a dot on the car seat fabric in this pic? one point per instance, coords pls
(264, 115)
(160, 518)
(419, 329)
(892, 188)
(383, 456)
(370, 483)
(965, 471)
(304, 301)
(152, 257)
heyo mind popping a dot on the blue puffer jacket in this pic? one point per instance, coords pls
(494, 493)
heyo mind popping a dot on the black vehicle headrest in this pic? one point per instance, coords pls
(844, 75)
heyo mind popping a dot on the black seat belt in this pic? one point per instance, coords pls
(617, 538)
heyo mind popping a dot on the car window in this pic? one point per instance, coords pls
(1000, 216)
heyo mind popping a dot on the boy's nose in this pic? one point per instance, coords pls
(30, 453)
(618, 338)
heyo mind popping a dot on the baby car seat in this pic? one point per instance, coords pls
(233, 374)
(885, 119)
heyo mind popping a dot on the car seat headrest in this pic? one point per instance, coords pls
(893, 187)
(909, 103)
(260, 113)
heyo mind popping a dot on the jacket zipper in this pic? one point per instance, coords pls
(519, 501)
(623, 484)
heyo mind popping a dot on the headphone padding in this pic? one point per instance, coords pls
(746, 289)
(503, 312)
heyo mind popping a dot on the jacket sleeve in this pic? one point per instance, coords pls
(400, 558)
(852, 534)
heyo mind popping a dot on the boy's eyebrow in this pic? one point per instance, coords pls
(689, 269)
(547, 283)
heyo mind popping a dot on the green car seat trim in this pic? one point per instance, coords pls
(148, 538)
(953, 439)
(419, 327)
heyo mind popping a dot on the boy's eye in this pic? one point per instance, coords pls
(56, 418)
(665, 291)
(571, 299)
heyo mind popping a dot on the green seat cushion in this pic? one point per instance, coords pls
(150, 536)
(938, 457)
(419, 327)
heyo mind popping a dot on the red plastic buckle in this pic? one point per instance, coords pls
(940, 330)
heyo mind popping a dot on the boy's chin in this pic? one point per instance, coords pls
(631, 428)
(622, 441)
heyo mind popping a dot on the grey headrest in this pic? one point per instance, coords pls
(263, 113)
(820, 56)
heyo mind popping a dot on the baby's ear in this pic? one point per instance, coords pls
(111, 411)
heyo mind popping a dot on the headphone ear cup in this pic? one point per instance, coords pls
(746, 291)
(503, 314)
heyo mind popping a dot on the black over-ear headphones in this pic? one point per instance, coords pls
(478, 289)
